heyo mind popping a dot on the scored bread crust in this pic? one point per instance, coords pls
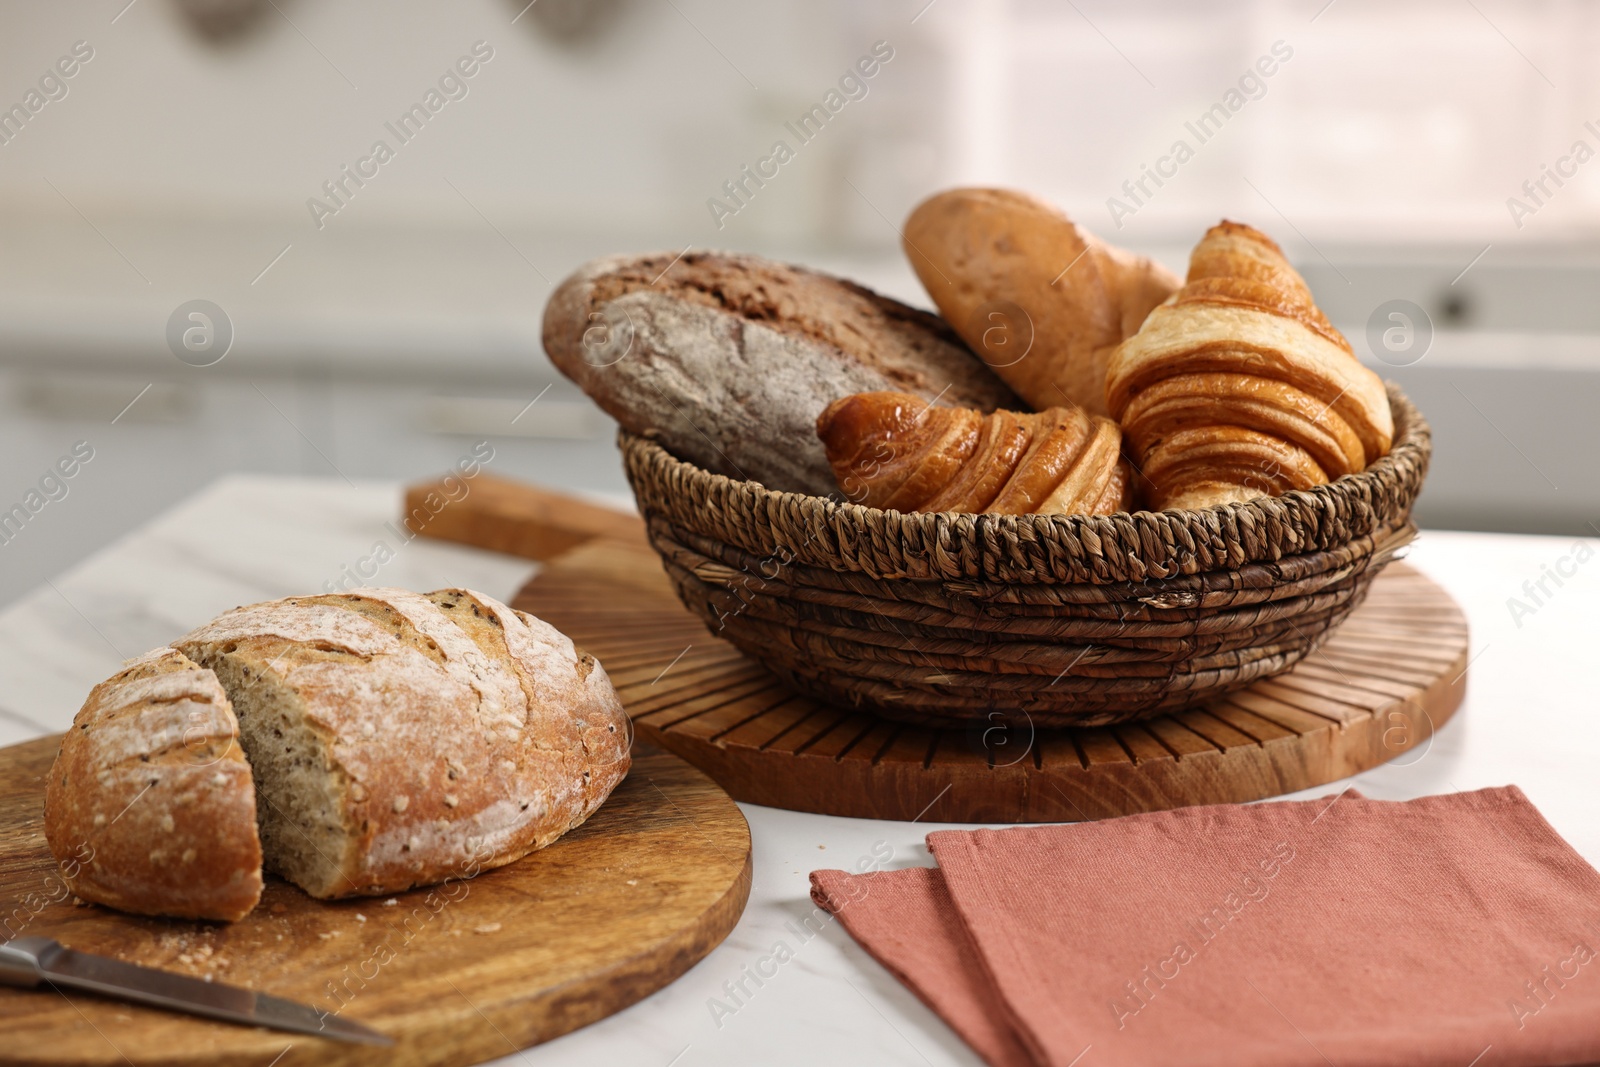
(728, 359)
(450, 733)
(150, 805)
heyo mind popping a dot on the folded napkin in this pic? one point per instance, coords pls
(1454, 930)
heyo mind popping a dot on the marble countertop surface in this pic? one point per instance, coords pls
(1530, 719)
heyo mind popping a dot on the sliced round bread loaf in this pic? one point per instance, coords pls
(401, 739)
(150, 805)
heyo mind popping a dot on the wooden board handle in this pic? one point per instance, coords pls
(512, 517)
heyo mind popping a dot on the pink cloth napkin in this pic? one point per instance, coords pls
(1454, 930)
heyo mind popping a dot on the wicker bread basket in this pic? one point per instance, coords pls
(1073, 620)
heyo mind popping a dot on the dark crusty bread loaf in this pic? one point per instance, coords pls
(150, 806)
(728, 359)
(400, 739)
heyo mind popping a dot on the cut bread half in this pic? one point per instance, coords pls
(150, 806)
(395, 739)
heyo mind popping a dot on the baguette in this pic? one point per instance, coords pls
(1042, 300)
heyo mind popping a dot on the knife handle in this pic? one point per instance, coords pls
(20, 960)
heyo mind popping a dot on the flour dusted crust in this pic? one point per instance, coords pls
(425, 737)
(150, 806)
(729, 359)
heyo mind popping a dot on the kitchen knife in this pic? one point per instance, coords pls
(29, 962)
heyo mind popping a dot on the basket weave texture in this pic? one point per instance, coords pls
(1074, 620)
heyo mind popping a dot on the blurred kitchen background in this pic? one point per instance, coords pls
(383, 338)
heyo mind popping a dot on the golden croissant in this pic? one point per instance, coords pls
(1238, 386)
(893, 450)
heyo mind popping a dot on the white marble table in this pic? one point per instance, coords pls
(1530, 718)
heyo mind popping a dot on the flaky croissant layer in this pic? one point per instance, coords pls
(894, 451)
(1238, 386)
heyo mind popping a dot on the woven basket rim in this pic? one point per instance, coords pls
(1120, 547)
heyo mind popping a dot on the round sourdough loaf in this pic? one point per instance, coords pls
(728, 359)
(150, 806)
(402, 739)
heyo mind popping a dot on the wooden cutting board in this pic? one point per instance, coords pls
(1375, 691)
(609, 914)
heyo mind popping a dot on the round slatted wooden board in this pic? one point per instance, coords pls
(1376, 690)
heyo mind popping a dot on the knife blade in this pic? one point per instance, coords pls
(29, 962)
